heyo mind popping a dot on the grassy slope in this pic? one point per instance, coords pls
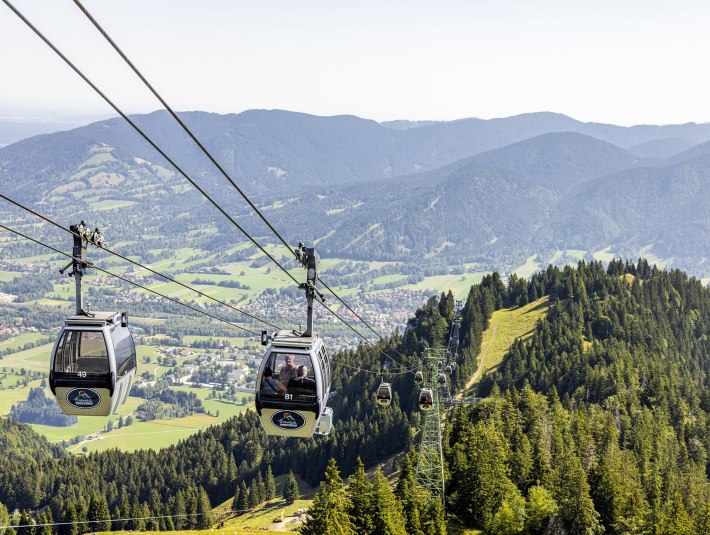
(505, 327)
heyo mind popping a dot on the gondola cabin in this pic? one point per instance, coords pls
(419, 377)
(293, 385)
(426, 399)
(93, 364)
(384, 394)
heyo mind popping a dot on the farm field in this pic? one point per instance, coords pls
(458, 284)
(86, 425)
(20, 340)
(36, 359)
(6, 276)
(12, 396)
(155, 435)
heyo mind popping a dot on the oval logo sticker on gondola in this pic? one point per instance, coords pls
(289, 420)
(83, 398)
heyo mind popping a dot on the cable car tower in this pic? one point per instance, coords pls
(438, 364)
(430, 459)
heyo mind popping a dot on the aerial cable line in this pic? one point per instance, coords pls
(212, 159)
(138, 264)
(143, 134)
(157, 148)
(44, 218)
(130, 281)
(164, 155)
(374, 372)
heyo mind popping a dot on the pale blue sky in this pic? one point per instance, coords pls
(610, 61)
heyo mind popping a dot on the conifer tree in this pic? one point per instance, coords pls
(329, 513)
(434, 519)
(179, 511)
(270, 483)
(291, 492)
(388, 517)
(361, 499)
(26, 525)
(254, 497)
(235, 500)
(539, 508)
(243, 501)
(69, 526)
(4, 518)
(136, 522)
(99, 516)
(46, 522)
(410, 495)
(204, 510)
(576, 507)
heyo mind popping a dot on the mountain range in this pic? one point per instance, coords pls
(492, 192)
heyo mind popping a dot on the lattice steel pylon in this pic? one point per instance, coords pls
(430, 458)
(430, 462)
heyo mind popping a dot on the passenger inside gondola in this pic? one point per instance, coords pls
(288, 370)
(294, 379)
(302, 384)
(269, 385)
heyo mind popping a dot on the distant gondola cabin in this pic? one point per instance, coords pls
(384, 394)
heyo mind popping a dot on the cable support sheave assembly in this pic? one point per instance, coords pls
(129, 281)
(138, 264)
(186, 176)
(212, 159)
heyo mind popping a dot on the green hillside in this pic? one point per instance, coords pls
(595, 421)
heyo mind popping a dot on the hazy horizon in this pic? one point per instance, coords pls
(624, 64)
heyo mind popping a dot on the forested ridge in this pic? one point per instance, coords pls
(596, 423)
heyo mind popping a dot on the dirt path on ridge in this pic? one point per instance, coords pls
(476, 376)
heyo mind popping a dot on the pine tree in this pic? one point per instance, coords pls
(410, 495)
(136, 522)
(361, 499)
(69, 527)
(434, 519)
(46, 522)
(235, 500)
(254, 497)
(388, 517)
(4, 518)
(576, 507)
(539, 508)
(329, 513)
(243, 501)
(291, 492)
(99, 516)
(204, 510)
(179, 511)
(270, 483)
(26, 525)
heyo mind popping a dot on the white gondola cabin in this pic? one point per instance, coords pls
(419, 377)
(93, 364)
(293, 386)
